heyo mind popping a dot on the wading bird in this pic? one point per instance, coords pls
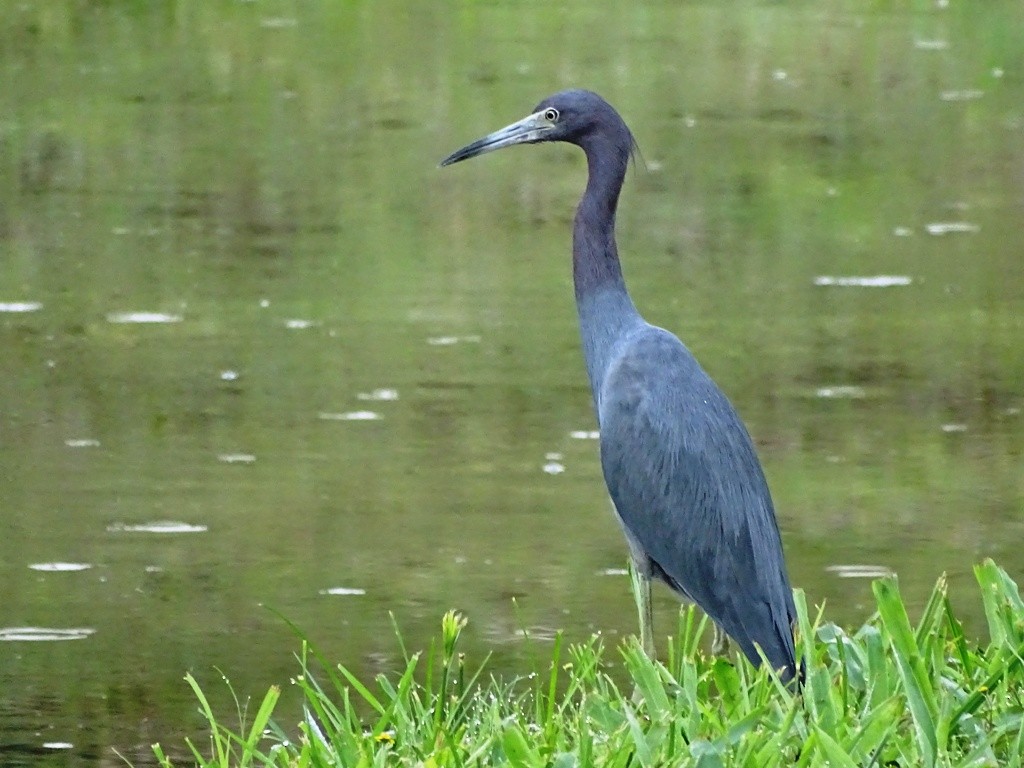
(680, 467)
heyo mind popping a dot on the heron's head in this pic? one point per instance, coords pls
(578, 117)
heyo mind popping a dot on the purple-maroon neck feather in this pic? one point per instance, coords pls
(595, 257)
(606, 312)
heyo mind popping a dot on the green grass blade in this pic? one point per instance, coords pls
(220, 748)
(259, 723)
(910, 665)
(834, 753)
(518, 750)
(646, 677)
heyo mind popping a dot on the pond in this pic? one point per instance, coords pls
(263, 359)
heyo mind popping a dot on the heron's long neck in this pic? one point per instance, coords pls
(605, 310)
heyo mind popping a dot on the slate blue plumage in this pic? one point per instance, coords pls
(680, 466)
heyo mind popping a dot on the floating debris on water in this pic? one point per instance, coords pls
(236, 458)
(847, 391)
(143, 317)
(860, 571)
(613, 572)
(43, 634)
(82, 442)
(349, 416)
(939, 228)
(931, 45)
(902, 231)
(585, 434)
(20, 306)
(968, 94)
(229, 375)
(553, 456)
(954, 428)
(554, 468)
(535, 633)
(447, 341)
(59, 567)
(161, 526)
(298, 324)
(381, 394)
(343, 591)
(58, 745)
(863, 281)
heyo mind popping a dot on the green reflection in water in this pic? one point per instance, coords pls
(246, 165)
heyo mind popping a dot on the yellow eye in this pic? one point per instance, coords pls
(551, 115)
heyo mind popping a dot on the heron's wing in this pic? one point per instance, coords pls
(689, 489)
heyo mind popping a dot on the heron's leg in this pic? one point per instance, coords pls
(640, 580)
(719, 640)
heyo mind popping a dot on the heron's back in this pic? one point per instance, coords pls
(690, 492)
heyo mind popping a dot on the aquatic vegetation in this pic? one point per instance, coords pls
(891, 693)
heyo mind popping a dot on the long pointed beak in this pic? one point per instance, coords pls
(529, 129)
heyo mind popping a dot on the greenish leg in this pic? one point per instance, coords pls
(641, 584)
(719, 641)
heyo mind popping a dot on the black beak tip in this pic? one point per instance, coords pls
(454, 157)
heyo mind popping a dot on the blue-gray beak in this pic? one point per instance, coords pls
(527, 130)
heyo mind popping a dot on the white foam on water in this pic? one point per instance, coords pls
(43, 634)
(279, 22)
(379, 394)
(863, 281)
(59, 567)
(966, 94)
(939, 228)
(20, 306)
(857, 571)
(160, 526)
(847, 391)
(349, 416)
(447, 341)
(236, 458)
(143, 317)
(82, 442)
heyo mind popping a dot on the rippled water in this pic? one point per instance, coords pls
(263, 358)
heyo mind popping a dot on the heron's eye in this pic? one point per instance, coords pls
(551, 115)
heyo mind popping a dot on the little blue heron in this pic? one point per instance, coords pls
(680, 467)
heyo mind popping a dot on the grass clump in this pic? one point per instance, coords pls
(890, 694)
